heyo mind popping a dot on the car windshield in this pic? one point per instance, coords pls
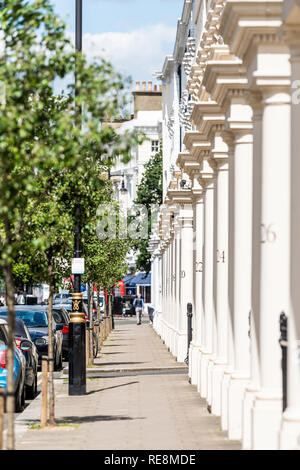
(31, 318)
(19, 329)
(58, 316)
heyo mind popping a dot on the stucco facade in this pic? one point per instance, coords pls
(228, 235)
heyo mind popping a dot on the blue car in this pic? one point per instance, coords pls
(19, 366)
(35, 318)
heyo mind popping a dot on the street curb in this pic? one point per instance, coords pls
(97, 370)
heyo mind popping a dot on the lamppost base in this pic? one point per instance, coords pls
(77, 359)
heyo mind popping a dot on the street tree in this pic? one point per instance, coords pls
(149, 194)
(43, 137)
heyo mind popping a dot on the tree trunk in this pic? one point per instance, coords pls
(50, 347)
(110, 310)
(91, 298)
(98, 304)
(10, 402)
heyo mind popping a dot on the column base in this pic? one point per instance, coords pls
(224, 398)
(174, 343)
(182, 347)
(195, 365)
(290, 429)
(210, 367)
(190, 363)
(205, 357)
(236, 394)
(266, 419)
(217, 377)
(199, 359)
(250, 393)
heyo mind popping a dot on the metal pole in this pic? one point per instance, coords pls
(189, 329)
(77, 327)
(283, 322)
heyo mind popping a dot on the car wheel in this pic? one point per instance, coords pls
(58, 364)
(19, 399)
(23, 397)
(31, 392)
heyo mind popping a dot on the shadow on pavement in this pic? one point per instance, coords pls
(116, 363)
(84, 419)
(108, 353)
(109, 388)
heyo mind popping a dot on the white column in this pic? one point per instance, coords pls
(208, 315)
(290, 427)
(253, 385)
(177, 282)
(195, 355)
(274, 267)
(186, 279)
(164, 310)
(240, 124)
(169, 319)
(159, 304)
(221, 283)
(172, 303)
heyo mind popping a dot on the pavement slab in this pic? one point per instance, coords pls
(138, 397)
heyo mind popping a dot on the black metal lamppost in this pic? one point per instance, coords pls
(77, 326)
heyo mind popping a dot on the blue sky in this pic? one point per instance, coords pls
(135, 35)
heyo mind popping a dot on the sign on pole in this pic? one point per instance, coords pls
(78, 266)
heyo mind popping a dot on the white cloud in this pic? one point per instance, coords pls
(137, 53)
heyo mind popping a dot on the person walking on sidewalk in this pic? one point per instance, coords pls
(138, 303)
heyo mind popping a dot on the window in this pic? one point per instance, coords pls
(155, 146)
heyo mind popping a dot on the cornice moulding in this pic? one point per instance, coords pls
(191, 138)
(243, 19)
(222, 76)
(181, 196)
(183, 158)
(199, 150)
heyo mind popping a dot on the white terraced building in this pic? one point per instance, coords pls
(146, 119)
(228, 235)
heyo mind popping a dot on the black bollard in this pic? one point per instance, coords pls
(283, 322)
(189, 329)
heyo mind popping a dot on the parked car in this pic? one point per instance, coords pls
(31, 356)
(62, 317)
(67, 305)
(59, 298)
(19, 366)
(36, 319)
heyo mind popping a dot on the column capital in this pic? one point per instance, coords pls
(198, 195)
(205, 115)
(185, 221)
(207, 173)
(219, 152)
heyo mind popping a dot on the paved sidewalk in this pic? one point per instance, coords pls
(138, 397)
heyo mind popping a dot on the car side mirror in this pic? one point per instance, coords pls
(59, 327)
(25, 345)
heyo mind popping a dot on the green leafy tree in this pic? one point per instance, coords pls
(33, 58)
(149, 193)
(47, 152)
